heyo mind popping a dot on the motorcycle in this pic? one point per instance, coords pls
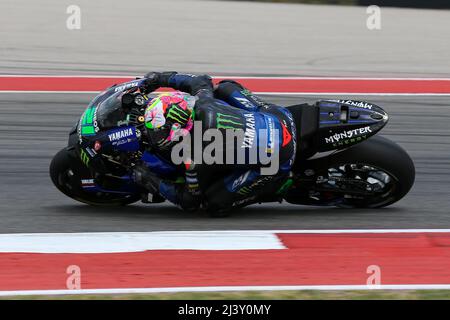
(341, 162)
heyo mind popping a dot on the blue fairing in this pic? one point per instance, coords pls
(128, 186)
(158, 165)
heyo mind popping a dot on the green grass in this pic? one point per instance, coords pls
(252, 295)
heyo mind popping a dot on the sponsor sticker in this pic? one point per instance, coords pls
(120, 134)
(347, 134)
(359, 104)
(250, 131)
(126, 86)
(240, 180)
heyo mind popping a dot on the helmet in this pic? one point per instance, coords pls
(167, 117)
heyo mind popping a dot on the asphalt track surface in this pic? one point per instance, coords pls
(33, 127)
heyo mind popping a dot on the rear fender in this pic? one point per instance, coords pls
(343, 123)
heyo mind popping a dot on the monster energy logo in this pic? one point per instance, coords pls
(285, 186)
(226, 121)
(256, 99)
(244, 190)
(177, 114)
(255, 185)
(84, 158)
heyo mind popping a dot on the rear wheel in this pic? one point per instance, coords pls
(372, 174)
(66, 171)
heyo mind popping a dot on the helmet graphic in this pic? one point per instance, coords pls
(167, 117)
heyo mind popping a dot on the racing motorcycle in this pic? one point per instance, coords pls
(341, 162)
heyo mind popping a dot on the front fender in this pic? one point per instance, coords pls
(73, 136)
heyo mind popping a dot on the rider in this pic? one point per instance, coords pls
(228, 106)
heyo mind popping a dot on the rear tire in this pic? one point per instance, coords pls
(66, 171)
(377, 155)
(386, 155)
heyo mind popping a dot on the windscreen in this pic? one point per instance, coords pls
(110, 112)
(104, 112)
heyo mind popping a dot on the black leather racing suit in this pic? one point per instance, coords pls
(240, 179)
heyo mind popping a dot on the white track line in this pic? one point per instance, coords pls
(226, 289)
(115, 242)
(335, 78)
(63, 76)
(232, 77)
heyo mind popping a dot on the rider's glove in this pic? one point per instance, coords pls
(154, 80)
(151, 81)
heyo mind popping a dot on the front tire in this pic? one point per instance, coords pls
(66, 171)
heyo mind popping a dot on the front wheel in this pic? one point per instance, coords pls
(66, 171)
(373, 174)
